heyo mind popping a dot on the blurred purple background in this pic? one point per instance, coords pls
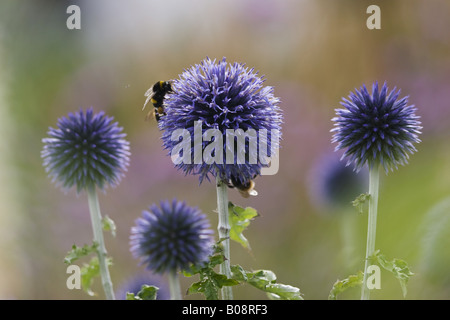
(312, 52)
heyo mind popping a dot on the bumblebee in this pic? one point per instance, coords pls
(245, 189)
(156, 95)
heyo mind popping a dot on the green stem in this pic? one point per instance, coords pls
(224, 233)
(96, 219)
(374, 179)
(174, 286)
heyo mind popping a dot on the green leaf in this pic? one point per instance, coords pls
(146, 293)
(210, 282)
(221, 280)
(189, 272)
(131, 296)
(239, 221)
(342, 285)
(265, 280)
(216, 259)
(279, 291)
(399, 268)
(205, 287)
(210, 291)
(238, 273)
(109, 225)
(360, 200)
(196, 287)
(89, 271)
(79, 252)
(261, 278)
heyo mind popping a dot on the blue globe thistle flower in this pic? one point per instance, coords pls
(86, 149)
(171, 237)
(376, 129)
(222, 97)
(333, 185)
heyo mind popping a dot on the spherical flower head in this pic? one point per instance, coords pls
(171, 237)
(222, 96)
(377, 129)
(86, 150)
(333, 185)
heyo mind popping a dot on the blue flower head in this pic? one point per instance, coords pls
(333, 185)
(224, 97)
(86, 150)
(171, 237)
(377, 128)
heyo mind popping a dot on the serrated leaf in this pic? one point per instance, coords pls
(195, 287)
(265, 280)
(210, 291)
(344, 284)
(239, 221)
(261, 278)
(216, 259)
(78, 252)
(360, 200)
(131, 296)
(399, 268)
(221, 280)
(279, 291)
(89, 271)
(190, 272)
(146, 293)
(210, 282)
(109, 225)
(238, 273)
(206, 287)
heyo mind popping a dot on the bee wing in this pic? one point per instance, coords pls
(149, 95)
(248, 193)
(150, 115)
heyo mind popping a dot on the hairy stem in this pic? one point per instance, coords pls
(224, 233)
(374, 179)
(96, 219)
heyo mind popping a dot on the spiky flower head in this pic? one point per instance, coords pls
(86, 150)
(377, 128)
(225, 97)
(171, 237)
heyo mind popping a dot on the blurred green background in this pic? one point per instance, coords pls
(313, 52)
